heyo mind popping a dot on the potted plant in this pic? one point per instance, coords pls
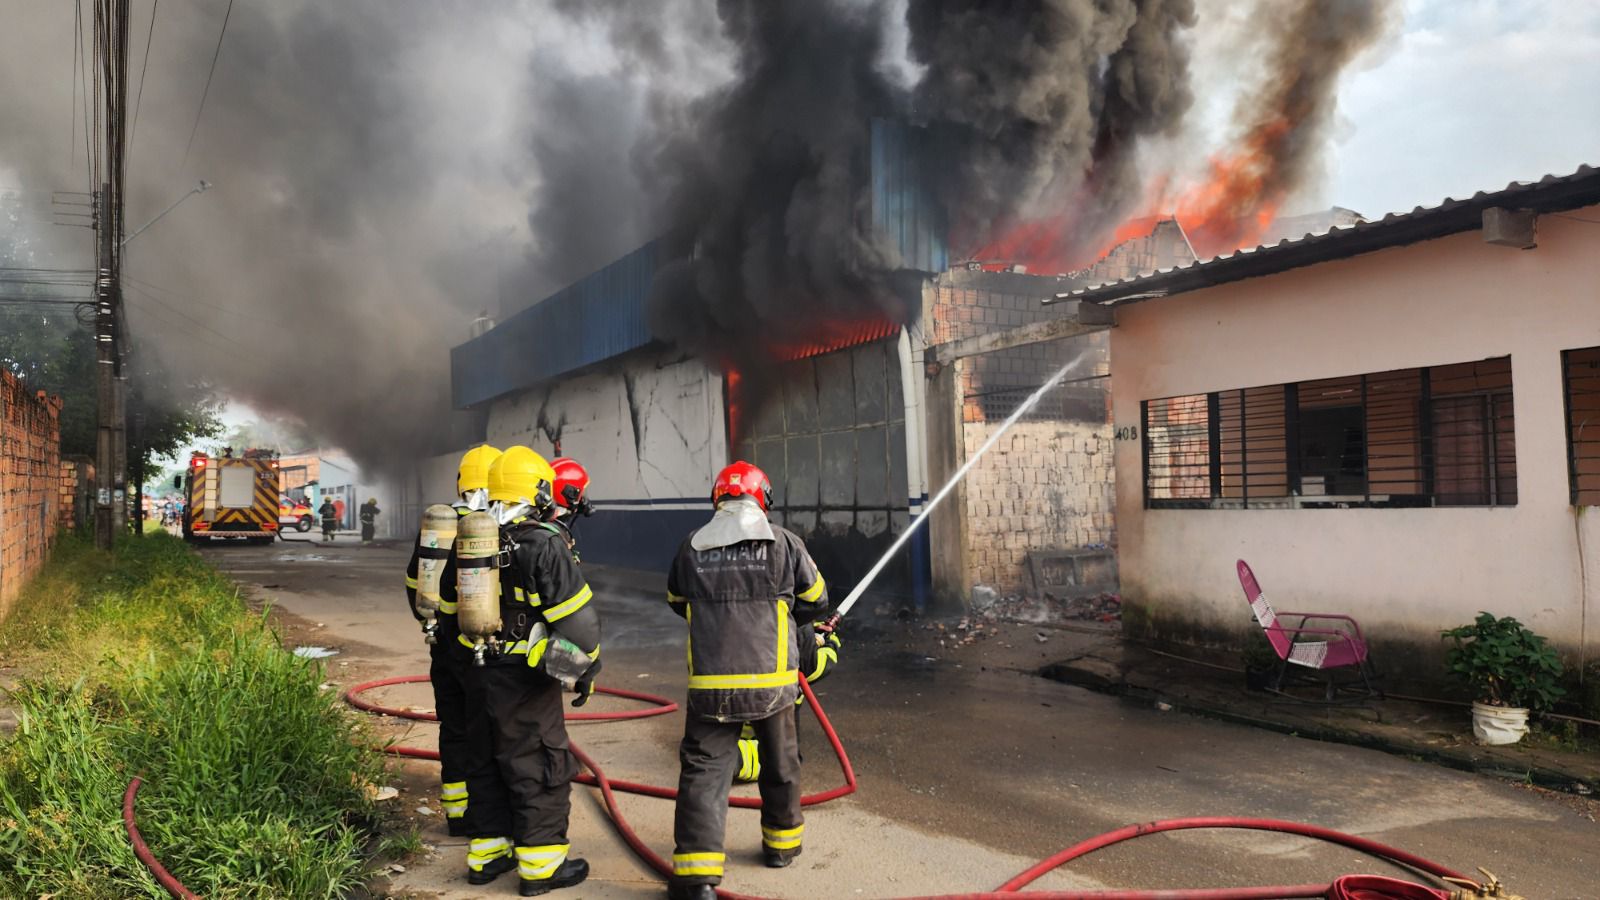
(1510, 671)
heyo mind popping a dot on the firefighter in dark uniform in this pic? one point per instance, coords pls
(746, 587)
(465, 753)
(819, 654)
(369, 519)
(330, 518)
(551, 636)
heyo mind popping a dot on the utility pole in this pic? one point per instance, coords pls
(105, 344)
(111, 448)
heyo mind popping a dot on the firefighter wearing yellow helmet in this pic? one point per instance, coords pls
(465, 757)
(549, 641)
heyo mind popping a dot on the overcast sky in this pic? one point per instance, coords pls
(1472, 95)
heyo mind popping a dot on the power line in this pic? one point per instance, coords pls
(72, 145)
(133, 130)
(188, 299)
(197, 323)
(82, 76)
(207, 90)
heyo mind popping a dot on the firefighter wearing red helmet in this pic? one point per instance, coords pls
(571, 494)
(746, 587)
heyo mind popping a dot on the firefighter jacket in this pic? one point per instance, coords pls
(744, 603)
(541, 582)
(447, 631)
(369, 513)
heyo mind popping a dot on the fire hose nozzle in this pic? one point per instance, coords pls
(1490, 888)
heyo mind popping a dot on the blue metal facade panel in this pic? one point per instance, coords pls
(591, 320)
(903, 203)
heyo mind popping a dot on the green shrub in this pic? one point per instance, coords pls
(1504, 663)
(255, 777)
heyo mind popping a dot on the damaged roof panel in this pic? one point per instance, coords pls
(1552, 193)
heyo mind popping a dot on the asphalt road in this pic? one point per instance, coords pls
(970, 767)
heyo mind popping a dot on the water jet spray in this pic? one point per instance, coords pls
(1016, 414)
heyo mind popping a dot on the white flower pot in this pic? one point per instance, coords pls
(1499, 724)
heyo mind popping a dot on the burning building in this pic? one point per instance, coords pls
(839, 414)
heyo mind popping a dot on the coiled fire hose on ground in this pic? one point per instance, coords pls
(1357, 887)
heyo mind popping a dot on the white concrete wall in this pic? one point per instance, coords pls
(1405, 573)
(650, 426)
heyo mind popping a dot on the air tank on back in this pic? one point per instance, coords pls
(477, 583)
(435, 542)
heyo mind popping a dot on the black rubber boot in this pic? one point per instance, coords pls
(677, 891)
(492, 869)
(778, 859)
(572, 872)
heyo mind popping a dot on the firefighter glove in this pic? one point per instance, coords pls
(585, 685)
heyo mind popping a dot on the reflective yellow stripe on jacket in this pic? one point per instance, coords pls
(735, 682)
(568, 606)
(811, 594)
(780, 676)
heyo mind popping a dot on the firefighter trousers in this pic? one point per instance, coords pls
(468, 781)
(709, 756)
(533, 761)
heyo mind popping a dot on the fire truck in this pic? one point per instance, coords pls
(231, 496)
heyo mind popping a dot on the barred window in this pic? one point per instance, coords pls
(1436, 436)
(1581, 372)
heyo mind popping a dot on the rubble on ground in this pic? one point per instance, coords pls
(1048, 608)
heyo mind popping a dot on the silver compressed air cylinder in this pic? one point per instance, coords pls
(477, 581)
(435, 541)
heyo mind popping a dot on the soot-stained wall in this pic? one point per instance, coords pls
(649, 427)
(833, 442)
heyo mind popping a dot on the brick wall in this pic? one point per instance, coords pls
(76, 495)
(30, 483)
(965, 304)
(1045, 486)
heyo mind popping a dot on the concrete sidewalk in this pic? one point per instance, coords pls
(1440, 733)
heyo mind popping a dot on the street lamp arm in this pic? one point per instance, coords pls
(199, 188)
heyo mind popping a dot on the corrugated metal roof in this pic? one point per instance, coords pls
(1552, 193)
(836, 336)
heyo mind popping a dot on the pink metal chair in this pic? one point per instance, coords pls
(1341, 646)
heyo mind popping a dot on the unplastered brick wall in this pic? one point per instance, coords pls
(30, 483)
(965, 304)
(1044, 486)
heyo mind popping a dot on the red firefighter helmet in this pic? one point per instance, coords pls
(571, 484)
(741, 479)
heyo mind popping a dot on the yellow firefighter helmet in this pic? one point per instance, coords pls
(473, 473)
(522, 476)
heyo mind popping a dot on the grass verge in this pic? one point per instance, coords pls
(147, 662)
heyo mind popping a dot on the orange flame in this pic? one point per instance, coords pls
(1237, 203)
(1049, 247)
(1232, 208)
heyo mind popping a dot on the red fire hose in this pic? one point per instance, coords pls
(1354, 887)
(141, 850)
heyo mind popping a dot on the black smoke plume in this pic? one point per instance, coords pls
(764, 181)
(1038, 108)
